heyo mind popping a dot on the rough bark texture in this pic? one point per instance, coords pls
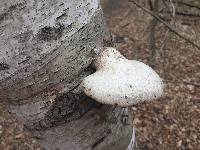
(46, 48)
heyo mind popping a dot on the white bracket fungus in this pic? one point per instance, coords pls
(121, 81)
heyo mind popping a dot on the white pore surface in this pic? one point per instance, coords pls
(121, 81)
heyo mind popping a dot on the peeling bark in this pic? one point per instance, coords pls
(46, 48)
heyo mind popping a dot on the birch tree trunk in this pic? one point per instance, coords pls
(46, 48)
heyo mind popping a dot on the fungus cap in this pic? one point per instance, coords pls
(121, 81)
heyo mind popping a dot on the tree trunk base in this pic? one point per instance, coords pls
(107, 127)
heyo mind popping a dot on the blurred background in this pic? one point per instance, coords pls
(170, 123)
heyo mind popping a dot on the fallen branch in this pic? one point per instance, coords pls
(166, 24)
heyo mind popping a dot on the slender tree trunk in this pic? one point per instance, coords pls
(152, 28)
(46, 48)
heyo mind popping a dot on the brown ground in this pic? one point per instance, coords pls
(170, 123)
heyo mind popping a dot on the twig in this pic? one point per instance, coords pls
(186, 4)
(182, 13)
(29, 146)
(163, 42)
(183, 82)
(164, 51)
(173, 8)
(166, 24)
(166, 6)
(165, 3)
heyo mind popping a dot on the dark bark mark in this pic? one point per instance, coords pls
(24, 37)
(4, 66)
(50, 33)
(3, 17)
(101, 139)
(25, 60)
(124, 117)
(10, 10)
(98, 142)
(124, 120)
(63, 16)
(17, 6)
(66, 108)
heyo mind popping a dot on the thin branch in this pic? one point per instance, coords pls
(166, 24)
(150, 4)
(173, 8)
(166, 6)
(183, 82)
(186, 4)
(164, 40)
(29, 146)
(165, 3)
(182, 13)
(162, 49)
(152, 39)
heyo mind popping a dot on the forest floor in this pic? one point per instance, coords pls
(170, 123)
